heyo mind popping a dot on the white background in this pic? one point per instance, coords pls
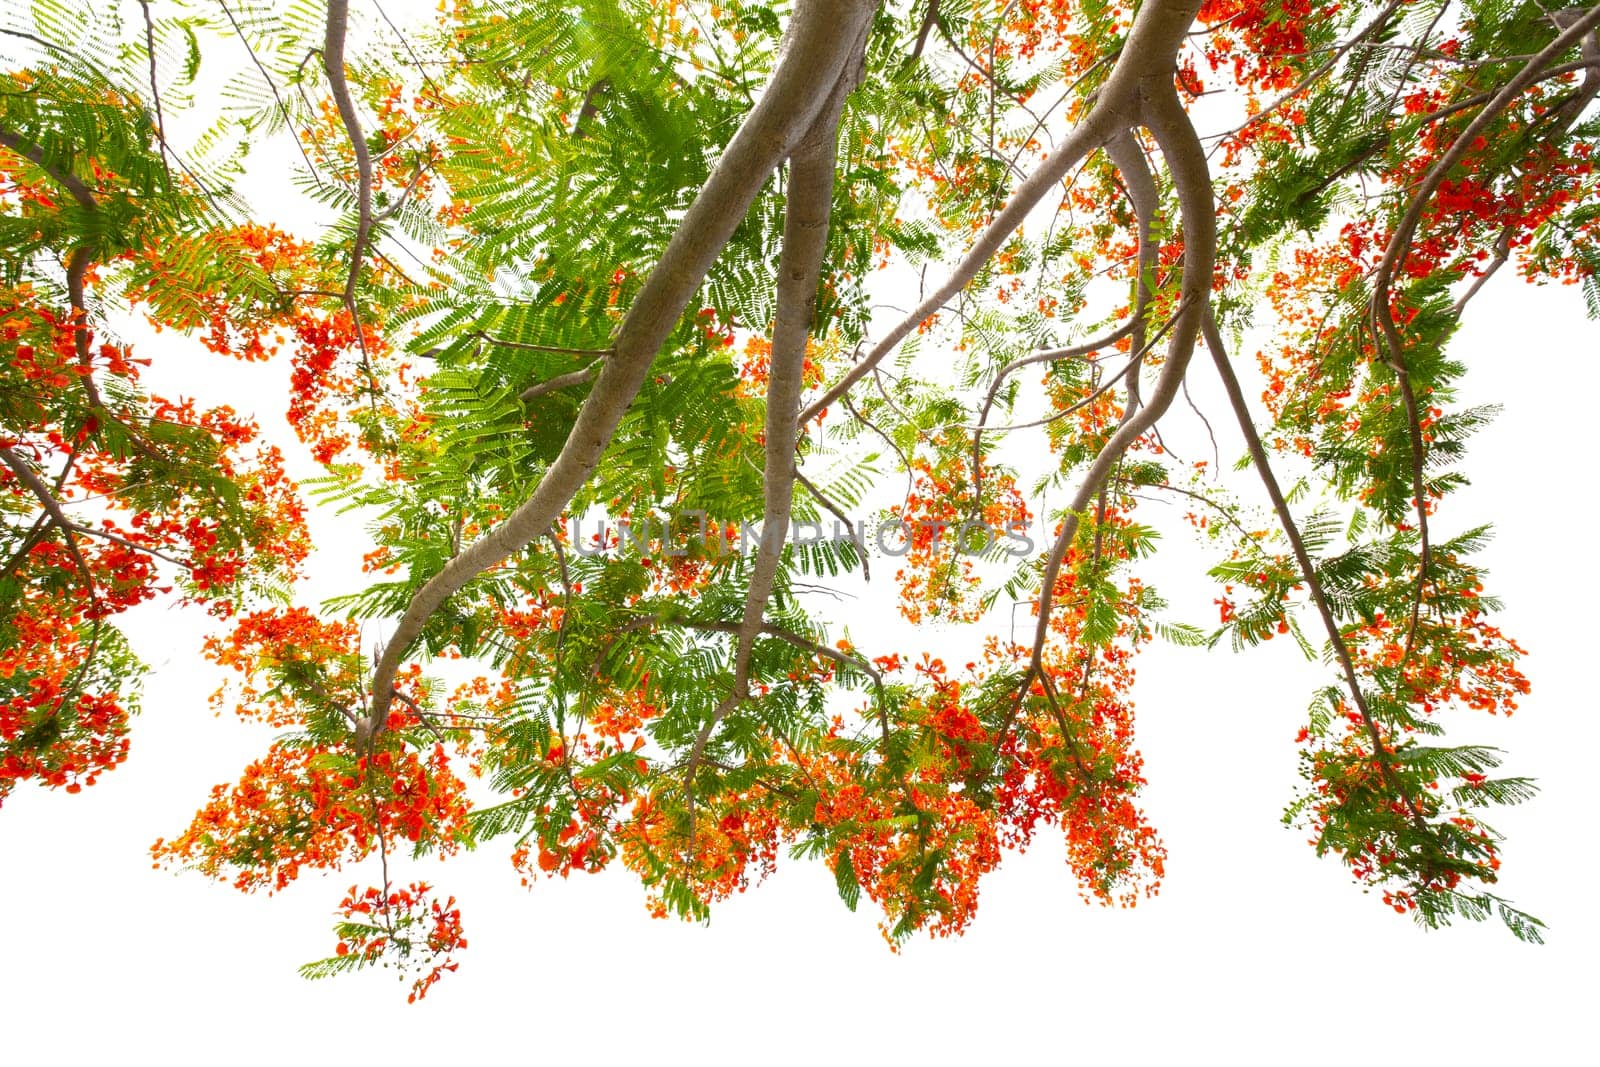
(1255, 951)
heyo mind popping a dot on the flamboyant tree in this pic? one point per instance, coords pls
(594, 336)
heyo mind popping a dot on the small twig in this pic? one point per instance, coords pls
(283, 109)
(559, 350)
(838, 513)
(35, 485)
(155, 90)
(560, 381)
(399, 202)
(406, 44)
(1502, 252)
(929, 17)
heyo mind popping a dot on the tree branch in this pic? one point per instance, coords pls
(1158, 31)
(35, 485)
(824, 35)
(560, 381)
(805, 244)
(1308, 570)
(155, 89)
(1400, 243)
(1166, 119)
(929, 17)
(333, 63)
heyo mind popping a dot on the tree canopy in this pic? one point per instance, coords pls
(602, 333)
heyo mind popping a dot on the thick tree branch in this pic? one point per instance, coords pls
(1157, 32)
(333, 63)
(929, 16)
(1175, 135)
(824, 36)
(66, 179)
(805, 244)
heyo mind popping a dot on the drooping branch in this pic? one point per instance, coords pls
(1576, 31)
(1049, 355)
(805, 244)
(1127, 155)
(1052, 355)
(52, 507)
(823, 37)
(1174, 134)
(1308, 570)
(1163, 114)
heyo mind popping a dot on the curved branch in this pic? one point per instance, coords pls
(1049, 355)
(1129, 371)
(823, 37)
(1308, 570)
(1576, 30)
(333, 63)
(1165, 118)
(1124, 151)
(560, 381)
(1147, 56)
(34, 153)
(805, 244)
